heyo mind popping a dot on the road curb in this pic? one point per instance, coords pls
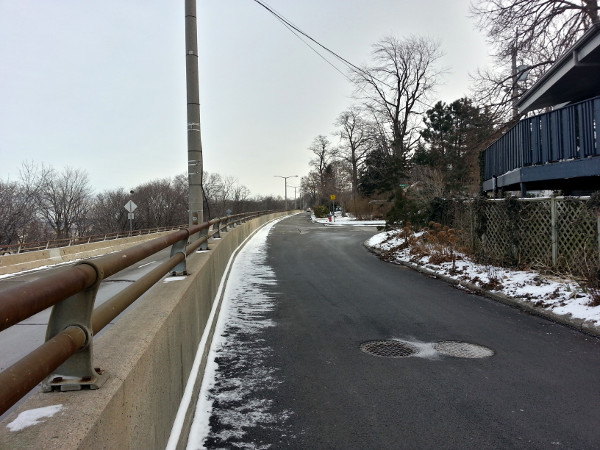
(577, 324)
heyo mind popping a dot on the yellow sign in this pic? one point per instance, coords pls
(332, 197)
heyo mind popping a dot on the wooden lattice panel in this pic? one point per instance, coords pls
(535, 233)
(576, 234)
(496, 242)
(522, 233)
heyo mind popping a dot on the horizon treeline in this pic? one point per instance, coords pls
(46, 204)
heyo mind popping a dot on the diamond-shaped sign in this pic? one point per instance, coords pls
(130, 206)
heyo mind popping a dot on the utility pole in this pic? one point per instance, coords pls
(285, 184)
(195, 166)
(295, 203)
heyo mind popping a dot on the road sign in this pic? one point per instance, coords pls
(130, 206)
(332, 197)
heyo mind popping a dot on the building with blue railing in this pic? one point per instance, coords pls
(560, 149)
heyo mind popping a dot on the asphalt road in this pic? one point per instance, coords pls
(539, 389)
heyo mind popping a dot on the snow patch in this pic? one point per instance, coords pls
(170, 279)
(237, 376)
(345, 221)
(33, 417)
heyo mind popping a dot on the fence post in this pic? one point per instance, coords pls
(598, 231)
(554, 225)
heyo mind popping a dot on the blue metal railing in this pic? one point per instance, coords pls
(564, 134)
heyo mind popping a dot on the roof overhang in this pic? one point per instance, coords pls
(574, 77)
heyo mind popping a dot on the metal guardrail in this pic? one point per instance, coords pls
(65, 361)
(68, 242)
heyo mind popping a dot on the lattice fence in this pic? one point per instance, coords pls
(560, 232)
(576, 235)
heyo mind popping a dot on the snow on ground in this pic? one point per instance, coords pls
(559, 295)
(236, 377)
(339, 221)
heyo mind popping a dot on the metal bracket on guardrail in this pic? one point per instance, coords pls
(78, 371)
(201, 234)
(179, 247)
(217, 230)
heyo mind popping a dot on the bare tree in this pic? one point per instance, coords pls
(223, 193)
(356, 135)
(310, 186)
(62, 198)
(395, 87)
(17, 213)
(324, 153)
(427, 183)
(160, 203)
(532, 32)
(240, 196)
(108, 212)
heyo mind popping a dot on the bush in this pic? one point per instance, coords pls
(405, 209)
(372, 208)
(321, 211)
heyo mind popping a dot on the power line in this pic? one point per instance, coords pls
(291, 25)
(294, 29)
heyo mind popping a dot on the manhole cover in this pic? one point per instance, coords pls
(388, 349)
(462, 349)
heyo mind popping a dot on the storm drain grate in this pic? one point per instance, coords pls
(388, 349)
(462, 349)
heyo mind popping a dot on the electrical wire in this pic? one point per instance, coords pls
(297, 32)
(294, 27)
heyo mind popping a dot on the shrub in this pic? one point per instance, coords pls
(405, 209)
(321, 211)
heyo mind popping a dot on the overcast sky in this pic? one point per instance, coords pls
(100, 85)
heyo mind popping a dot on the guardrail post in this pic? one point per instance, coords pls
(78, 371)
(179, 247)
(201, 234)
(217, 230)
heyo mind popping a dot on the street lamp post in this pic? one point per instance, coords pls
(285, 184)
(295, 203)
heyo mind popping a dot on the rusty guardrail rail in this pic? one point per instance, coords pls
(65, 361)
(24, 247)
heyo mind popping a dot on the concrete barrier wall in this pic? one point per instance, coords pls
(148, 354)
(39, 258)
